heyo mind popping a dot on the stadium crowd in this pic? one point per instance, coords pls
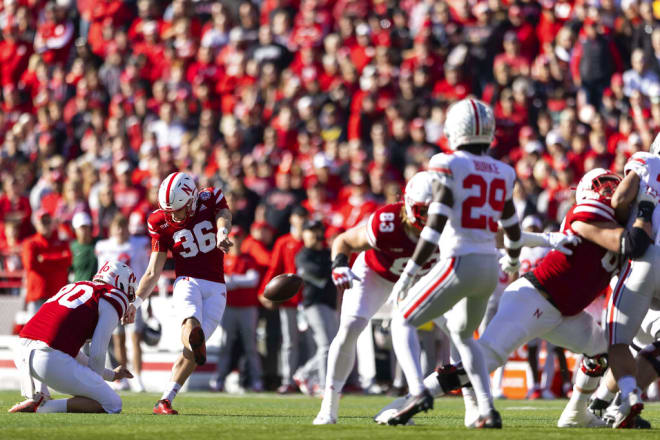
(326, 105)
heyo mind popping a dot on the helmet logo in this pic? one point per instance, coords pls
(186, 189)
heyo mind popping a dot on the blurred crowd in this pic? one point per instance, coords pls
(328, 105)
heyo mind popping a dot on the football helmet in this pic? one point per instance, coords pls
(655, 146)
(119, 275)
(469, 121)
(598, 184)
(177, 191)
(152, 331)
(418, 196)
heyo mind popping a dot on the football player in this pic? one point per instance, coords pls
(473, 195)
(549, 301)
(638, 283)
(194, 225)
(49, 349)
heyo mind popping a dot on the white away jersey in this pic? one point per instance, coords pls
(480, 186)
(135, 252)
(647, 167)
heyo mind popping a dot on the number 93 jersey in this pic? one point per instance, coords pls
(480, 186)
(193, 242)
(391, 245)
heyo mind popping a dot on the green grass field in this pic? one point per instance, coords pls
(268, 416)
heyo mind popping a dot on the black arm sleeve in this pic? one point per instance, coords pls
(634, 243)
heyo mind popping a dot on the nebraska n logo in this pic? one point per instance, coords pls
(538, 313)
(186, 189)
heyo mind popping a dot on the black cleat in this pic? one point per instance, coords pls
(598, 406)
(492, 421)
(414, 404)
(641, 423)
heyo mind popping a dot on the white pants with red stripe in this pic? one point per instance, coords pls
(200, 299)
(524, 314)
(459, 286)
(639, 283)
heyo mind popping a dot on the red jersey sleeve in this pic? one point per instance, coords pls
(591, 211)
(160, 241)
(213, 198)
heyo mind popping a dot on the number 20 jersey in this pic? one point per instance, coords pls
(480, 185)
(574, 281)
(391, 246)
(69, 318)
(193, 243)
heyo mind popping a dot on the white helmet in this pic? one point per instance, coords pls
(469, 121)
(598, 184)
(120, 275)
(655, 146)
(177, 191)
(418, 196)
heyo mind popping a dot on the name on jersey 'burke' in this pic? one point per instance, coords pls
(485, 167)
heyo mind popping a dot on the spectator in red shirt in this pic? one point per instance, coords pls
(54, 37)
(15, 207)
(512, 55)
(283, 261)
(14, 56)
(46, 260)
(239, 322)
(127, 195)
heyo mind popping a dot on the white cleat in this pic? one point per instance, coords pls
(628, 410)
(324, 419)
(471, 407)
(389, 410)
(575, 418)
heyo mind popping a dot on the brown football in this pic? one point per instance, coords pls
(283, 287)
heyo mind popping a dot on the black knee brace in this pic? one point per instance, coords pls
(594, 366)
(451, 378)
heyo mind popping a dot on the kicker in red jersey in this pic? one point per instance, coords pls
(69, 318)
(391, 245)
(192, 243)
(574, 281)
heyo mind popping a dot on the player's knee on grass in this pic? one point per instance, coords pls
(112, 404)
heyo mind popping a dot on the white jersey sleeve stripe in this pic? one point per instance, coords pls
(119, 297)
(594, 210)
(598, 204)
(371, 238)
(220, 197)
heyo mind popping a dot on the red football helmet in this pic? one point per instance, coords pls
(598, 184)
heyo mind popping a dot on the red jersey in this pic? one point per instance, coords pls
(391, 245)
(574, 281)
(240, 265)
(193, 243)
(69, 318)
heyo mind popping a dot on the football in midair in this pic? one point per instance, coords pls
(283, 287)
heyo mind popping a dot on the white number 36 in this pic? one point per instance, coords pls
(201, 239)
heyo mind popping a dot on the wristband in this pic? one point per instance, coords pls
(137, 302)
(645, 210)
(340, 260)
(224, 231)
(411, 268)
(513, 220)
(510, 244)
(437, 208)
(429, 234)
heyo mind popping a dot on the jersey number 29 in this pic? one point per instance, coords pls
(493, 194)
(200, 239)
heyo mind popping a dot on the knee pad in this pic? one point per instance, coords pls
(594, 366)
(113, 404)
(451, 377)
(652, 354)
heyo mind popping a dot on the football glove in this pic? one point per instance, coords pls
(343, 278)
(401, 287)
(561, 241)
(509, 264)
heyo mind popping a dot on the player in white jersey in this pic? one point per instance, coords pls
(639, 281)
(473, 195)
(133, 251)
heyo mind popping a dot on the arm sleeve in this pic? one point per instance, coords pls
(108, 320)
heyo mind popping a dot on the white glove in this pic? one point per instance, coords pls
(509, 265)
(402, 285)
(561, 241)
(343, 278)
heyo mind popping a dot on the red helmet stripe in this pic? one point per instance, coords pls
(476, 118)
(169, 186)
